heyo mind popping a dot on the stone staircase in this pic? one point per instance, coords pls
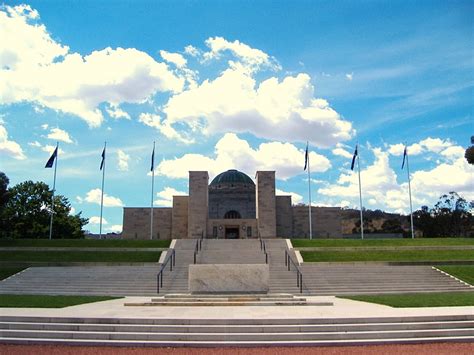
(348, 278)
(234, 332)
(318, 278)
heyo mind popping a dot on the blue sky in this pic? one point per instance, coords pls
(226, 84)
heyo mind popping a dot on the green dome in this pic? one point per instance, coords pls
(232, 176)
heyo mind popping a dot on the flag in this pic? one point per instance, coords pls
(404, 156)
(306, 157)
(103, 159)
(50, 162)
(354, 158)
(153, 159)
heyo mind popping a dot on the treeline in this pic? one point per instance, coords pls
(451, 216)
(25, 211)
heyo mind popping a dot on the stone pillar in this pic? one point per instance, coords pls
(198, 204)
(179, 218)
(266, 204)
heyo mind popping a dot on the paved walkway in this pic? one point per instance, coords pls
(342, 309)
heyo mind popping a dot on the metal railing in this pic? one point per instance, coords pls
(299, 274)
(198, 247)
(263, 247)
(170, 259)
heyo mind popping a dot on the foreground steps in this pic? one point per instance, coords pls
(235, 332)
(190, 300)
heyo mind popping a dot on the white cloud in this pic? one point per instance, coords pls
(122, 159)
(58, 134)
(380, 188)
(39, 70)
(93, 196)
(174, 58)
(233, 152)
(251, 58)
(192, 51)
(44, 126)
(434, 145)
(96, 220)
(342, 153)
(282, 110)
(349, 76)
(166, 196)
(35, 144)
(50, 149)
(115, 228)
(155, 121)
(8, 147)
(116, 112)
(295, 198)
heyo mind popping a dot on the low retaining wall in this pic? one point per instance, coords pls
(229, 278)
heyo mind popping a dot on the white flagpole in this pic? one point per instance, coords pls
(152, 188)
(360, 196)
(102, 195)
(309, 197)
(409, 193)
(54, 189)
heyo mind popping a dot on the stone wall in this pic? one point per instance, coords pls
(179, 219)
(266, 205)
(236, 197)
(198, 208)
(326, 222)
(136, 223)
(284, 217)
(216, 227)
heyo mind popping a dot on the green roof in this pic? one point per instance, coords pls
(232, 176)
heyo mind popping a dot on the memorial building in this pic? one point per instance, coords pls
(232, 206)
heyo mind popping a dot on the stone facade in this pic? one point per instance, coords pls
(232, 206)
(198, 203)
(266, 204)
(325, 222)
(138, 223)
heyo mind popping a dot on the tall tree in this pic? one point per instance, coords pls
(4, 181)
(28, 211)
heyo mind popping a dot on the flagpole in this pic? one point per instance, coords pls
(409, 193)
(152, 188)
(360, 196)
(54, 189)
(102, 195)
(309, 198)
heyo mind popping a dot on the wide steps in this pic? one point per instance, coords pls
(235, 332)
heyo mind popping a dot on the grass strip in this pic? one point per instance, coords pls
(80, 256)
(8, 271)
(43, 301)
(441, 299)
(388, 255)
(381, 242)
(85, 243)
(462, 272)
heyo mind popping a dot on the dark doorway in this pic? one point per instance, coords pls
(232, 233)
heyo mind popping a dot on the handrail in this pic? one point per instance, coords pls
(198, 246)
(263, 247)
(299, 274)
(159, 278)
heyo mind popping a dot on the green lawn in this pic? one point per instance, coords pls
(462, 272)
(42, 301)
(85, 243)
(388, 255)
(8, 271)
(80, 256)
(446, 299)
(381, 242)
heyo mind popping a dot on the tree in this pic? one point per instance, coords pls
(450, 217)
(469, 155)
(28, 212)
(4, 181)
(392, 225)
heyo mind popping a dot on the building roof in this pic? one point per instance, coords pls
(232, 176)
